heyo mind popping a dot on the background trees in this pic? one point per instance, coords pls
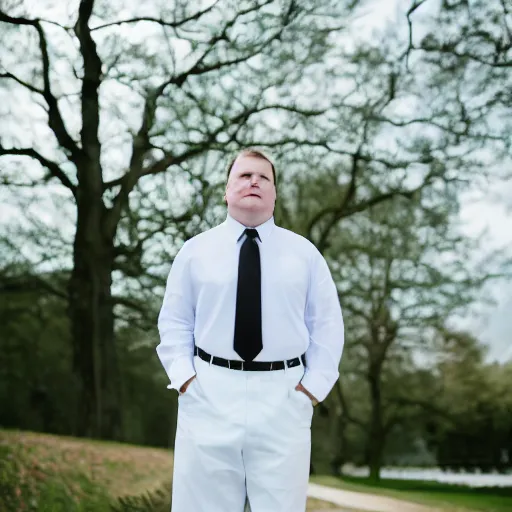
(119, 122)
(111, 156)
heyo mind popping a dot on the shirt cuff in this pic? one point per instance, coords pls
(181, 370)
(317, 385)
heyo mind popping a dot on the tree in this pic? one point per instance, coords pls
(467, 49)
(38, 388)
(130, 119)
(35, 354)
(177, 124)
(475, 433)
(402, 278)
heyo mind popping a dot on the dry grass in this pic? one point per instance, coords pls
(120, 469)
(315, 505)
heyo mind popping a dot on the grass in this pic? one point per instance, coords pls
(43, 472)
(444, 496)
(46, 473)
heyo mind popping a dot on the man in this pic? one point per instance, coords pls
(251, 336)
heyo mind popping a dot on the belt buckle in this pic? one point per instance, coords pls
(271, 363)
(242, 366)
(211, 359)
(229, 364)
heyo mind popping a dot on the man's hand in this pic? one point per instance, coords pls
(184, 387)
(300, 387)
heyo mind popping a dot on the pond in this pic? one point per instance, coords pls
(437, 475)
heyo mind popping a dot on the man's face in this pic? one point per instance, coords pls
(250, 186)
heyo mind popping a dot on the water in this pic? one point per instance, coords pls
(437, 475)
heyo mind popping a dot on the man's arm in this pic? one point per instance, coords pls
(176, 323)
(326, 332)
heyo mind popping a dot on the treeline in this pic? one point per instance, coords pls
(456, 414)
(377, 140)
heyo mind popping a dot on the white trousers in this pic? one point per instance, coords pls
(242, 434)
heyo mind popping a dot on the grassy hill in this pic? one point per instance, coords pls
(63, 474)
(44, 472)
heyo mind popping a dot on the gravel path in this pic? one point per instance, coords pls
(360, 502)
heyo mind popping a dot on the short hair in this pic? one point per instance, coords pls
(256, 152)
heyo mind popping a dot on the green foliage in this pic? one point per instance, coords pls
(23, 490)
(37, 378)
(157, 501)
(476, 433)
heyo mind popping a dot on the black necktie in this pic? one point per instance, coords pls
(248, 340)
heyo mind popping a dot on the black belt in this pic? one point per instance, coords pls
(249, 366)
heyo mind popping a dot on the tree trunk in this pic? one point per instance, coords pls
(376, 448)
(340, 444)
(376, 431)
(92, 324)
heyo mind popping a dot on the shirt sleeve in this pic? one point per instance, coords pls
(324, 321)
(176, 322)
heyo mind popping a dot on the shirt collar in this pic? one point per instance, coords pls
(236, 230)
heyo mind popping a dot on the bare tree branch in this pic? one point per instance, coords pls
(127, 258)
(172, 24)
(129, 180)
(90, 101)
(500, 47)
(53, 167)
(410, 47)
(141, 143)
(343, 209)
(15, 21)
(471, 56)
(431, 122)
(29, 283)
(30, 87)
(55, 120)
(142, 138)
(364, 157)
(507, 28)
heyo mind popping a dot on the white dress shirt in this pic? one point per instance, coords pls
(300, 309)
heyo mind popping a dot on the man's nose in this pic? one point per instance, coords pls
(254, 180)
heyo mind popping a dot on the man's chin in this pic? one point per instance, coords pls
(251, 202)
(251, 206)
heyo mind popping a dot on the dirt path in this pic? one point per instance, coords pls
(364, 502)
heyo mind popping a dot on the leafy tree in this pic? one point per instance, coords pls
(475, 434)
(402, 277)
(193, 83)
(122, 115)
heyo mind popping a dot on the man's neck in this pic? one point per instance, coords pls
(250, 219)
